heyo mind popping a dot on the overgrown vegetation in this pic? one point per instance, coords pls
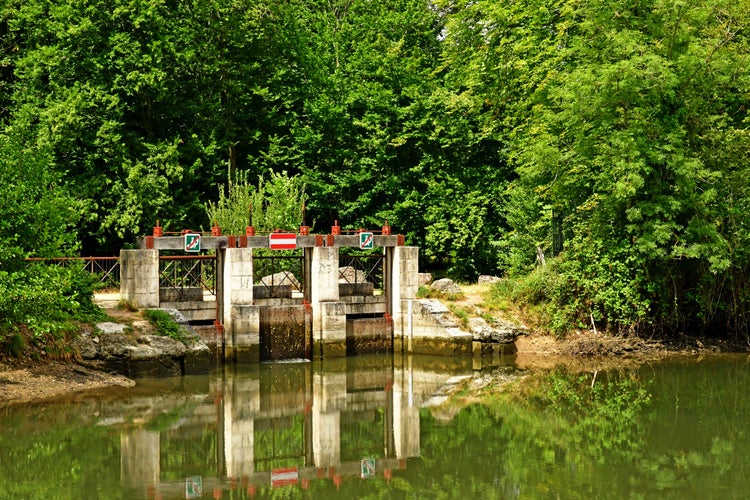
(276, 203)
(614, 192)
(41, 305)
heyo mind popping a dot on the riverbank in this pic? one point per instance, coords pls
(26, 380)
(23, 381)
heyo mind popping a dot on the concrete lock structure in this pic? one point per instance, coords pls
(318, 320)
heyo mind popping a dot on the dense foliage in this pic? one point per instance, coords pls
(596, 152)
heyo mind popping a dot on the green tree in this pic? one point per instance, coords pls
(621, 114)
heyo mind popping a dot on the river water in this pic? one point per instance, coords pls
(380, 427)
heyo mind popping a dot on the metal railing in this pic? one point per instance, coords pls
(357, 269)
(188, 271)
(106, 268)
(275, 270)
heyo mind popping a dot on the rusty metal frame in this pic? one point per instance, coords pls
(184, 271)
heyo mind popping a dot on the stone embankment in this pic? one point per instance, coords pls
(131, 349)
(497, 337)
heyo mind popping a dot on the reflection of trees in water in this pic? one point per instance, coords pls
(667, 429)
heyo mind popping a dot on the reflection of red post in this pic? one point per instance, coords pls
(218, 493)
(387, 474)
(388, 320)
(337, 481)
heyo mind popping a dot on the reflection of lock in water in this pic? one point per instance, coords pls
(368, 468)
(193, 487)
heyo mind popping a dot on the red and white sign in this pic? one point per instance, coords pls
(282, 241)
(284, 477)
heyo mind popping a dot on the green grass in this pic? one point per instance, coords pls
(165, 325)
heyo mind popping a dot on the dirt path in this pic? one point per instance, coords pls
(26, 381)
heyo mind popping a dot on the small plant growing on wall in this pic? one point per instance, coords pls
(275, 203)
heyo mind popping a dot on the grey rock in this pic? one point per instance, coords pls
(424, 279)
(282, 278)
(163, 346)
(86, 346)
(115, 345)
(485, 278)
(502, 332)
(349, 274)
(108, 327)
(445, 285)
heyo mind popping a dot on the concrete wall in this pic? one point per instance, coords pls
(328, 311)
(139, 278)
(239, 311)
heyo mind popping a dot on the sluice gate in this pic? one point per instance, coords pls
(286, 295)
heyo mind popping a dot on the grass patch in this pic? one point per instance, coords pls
(461, 314)
(165, 325)
(425, 292)
(124, 305)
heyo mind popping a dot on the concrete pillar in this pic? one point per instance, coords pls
(241, 317)
(329, 397)
(241, 405)
(404, 281)
(139, 278)
(405, 414)
(139, 458)
(329, 313)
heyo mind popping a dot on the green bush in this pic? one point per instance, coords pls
(48, 300)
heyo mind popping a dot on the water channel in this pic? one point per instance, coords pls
(373, 427)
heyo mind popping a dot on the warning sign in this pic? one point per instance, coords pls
(282, 241)
(284, 477)
(192, 242)
(365, 241)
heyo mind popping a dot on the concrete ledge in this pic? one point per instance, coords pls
(455, 344)
(329, 348)
(187, 294)
(243, 354)
(356, 289)
(278, 302)
(272, 292)
(193, 311)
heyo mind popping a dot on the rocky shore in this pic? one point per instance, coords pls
(133, 350)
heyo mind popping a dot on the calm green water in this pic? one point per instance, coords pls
(369, 428)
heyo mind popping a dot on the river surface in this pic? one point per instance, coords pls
(379, 427)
